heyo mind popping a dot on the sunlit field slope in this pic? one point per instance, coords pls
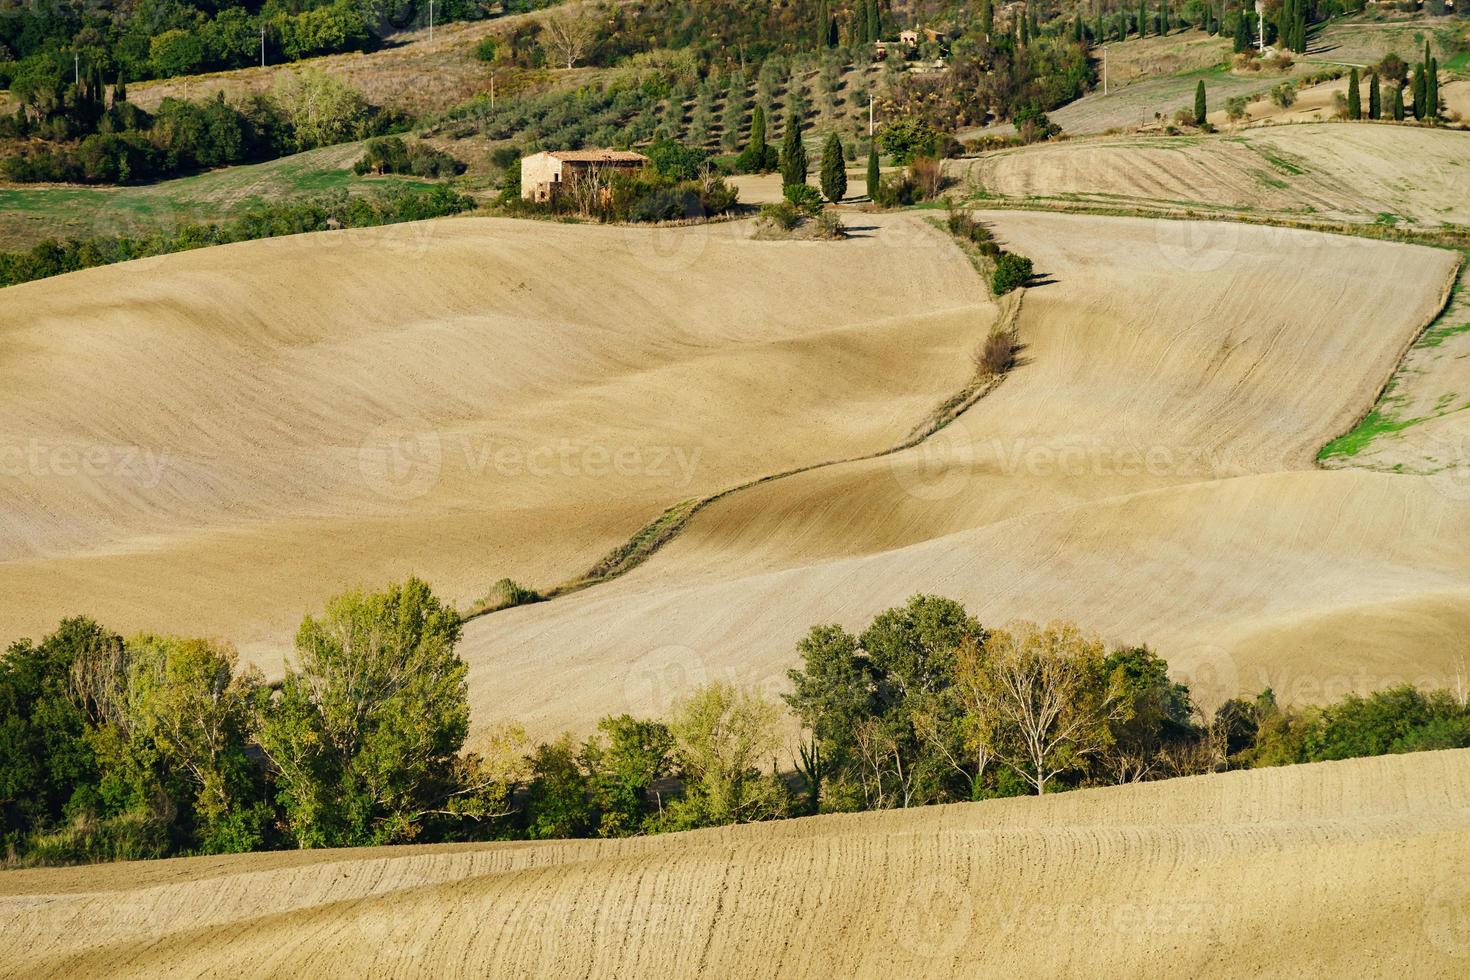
(1334, 869)
(214, 442)
(1148, 470)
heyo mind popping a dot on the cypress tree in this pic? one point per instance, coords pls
(875, 176)
(1418, 91)
(1077, 28)
(1164, 16)
(1398, 103)
(834, 170)
(823, 19)
(793, 153)
(1242, 33)
(1035, 28)
(875, 21)
(1431, 90)
(1355, 99)
(1122, 24)
(859, 31)
(1200, 110)
(1142, 20)
(1375, 98)
(1097, 31)
(1025, 31)
(987, 18)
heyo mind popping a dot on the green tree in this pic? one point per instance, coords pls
(187, 698)
(321, 110)
(793, 153)
(1375, 104)
(1045, 702)
(1419, 87)
(1354, 98)
(1431, 89)
(1397, 98)
(758, 156)
(874, 174)
(724, 738)
(1200, 108)
(987, 18)
(557, 801)
(875, 20)
(834, 169)
(832, 694)
(1242, 33)
(363, 734)
(625, 762)
(46, 764)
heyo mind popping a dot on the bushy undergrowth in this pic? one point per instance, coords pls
(388, 206)
(391, 155)
(155, 745)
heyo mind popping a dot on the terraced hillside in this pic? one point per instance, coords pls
(1334, 869)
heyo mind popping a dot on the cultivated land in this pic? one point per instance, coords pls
(459, 399)
(1332, 172)
(1148, 470)
(1334, 869)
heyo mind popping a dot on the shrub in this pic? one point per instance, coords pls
(391, 155)
(1235, 107)
(996, 354)
(487, 48)
(1011, 272)
(782, 216)
(508, 592)
(1284, 95)
(829, 226)
(805, 198)
(896, 193)
(927, 175)
(908, 137)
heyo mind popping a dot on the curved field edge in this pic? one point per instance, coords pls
(653, 536)
(1385, 417)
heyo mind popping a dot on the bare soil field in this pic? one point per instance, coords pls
(463, 399)
(1327, 171)
(1333, 869)
(1148, 471)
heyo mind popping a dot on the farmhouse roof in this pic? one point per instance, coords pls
(598, 156)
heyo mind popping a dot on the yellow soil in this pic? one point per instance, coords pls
(1335, 869)
(1328, 171)
(215, 441)
(1148, 470)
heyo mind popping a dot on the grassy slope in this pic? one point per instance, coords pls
(30, 213)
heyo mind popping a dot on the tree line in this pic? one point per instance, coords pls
(150, 746)
(90, 140)
(43, 45)
(322, 213)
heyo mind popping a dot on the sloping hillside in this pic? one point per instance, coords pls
(460, 399)
(1327, 172)
(1334, 869)
(1148, 470)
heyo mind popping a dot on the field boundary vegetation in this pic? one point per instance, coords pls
(392, 205)
(157, 746)
(993, 358)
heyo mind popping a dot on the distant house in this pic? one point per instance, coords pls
(544, 174)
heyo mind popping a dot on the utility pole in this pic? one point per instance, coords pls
(492, 91)
(262, 45)
(870, 115)
(1105, 69)
(76, 69)
(431, 20)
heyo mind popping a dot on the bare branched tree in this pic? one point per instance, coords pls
(1044, 700)
(570, 32)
